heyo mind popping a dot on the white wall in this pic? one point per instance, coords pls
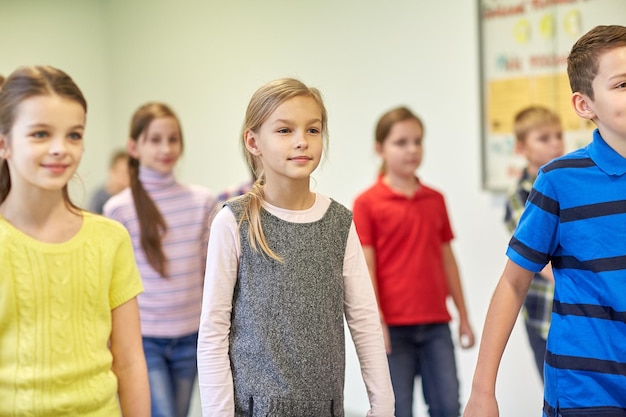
(206, 58)
(71, 35)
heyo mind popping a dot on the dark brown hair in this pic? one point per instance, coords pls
(151, 222)
(22, 84)
(584, 58)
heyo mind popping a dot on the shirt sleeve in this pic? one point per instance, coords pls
(214, 372)
(446, 229)
(363, 222)
(536, 236)
(126, 281)
(115, 211)
(363, 321)
(211, 210)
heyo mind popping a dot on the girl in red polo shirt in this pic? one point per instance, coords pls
(404, 228)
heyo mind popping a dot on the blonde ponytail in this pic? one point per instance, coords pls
(252, 214)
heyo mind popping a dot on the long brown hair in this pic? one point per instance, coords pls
(151, 222)
(262, 104)
(22, 84)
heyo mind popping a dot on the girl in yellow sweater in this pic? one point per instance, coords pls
(69, 324)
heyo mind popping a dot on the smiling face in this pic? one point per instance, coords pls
(45, 143)
(609, 88)
(159, 146)
(402, 149)
(289, 143)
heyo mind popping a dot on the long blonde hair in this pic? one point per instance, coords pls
(262, 104)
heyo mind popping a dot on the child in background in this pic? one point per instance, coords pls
(241, 189)
(70, 339)
(539, 138)
(284, 267)
(405, 232)
(231, 192)
(575, 218)
(117, 180)
(168, 222)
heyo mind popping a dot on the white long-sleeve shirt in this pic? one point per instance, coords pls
(361, 312)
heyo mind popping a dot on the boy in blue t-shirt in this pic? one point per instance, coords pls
(576, 219)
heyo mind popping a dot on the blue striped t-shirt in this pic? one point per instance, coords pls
(576, 217)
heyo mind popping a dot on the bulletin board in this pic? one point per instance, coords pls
(524, 46)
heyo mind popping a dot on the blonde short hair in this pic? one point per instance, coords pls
(531, 118)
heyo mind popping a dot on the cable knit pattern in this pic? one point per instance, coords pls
(55, 319)
(170, 306)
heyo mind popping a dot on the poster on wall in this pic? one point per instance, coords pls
(524, 49)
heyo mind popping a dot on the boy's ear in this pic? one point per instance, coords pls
(519, 147)
(582, 106)
(131, 148)
(251, 144)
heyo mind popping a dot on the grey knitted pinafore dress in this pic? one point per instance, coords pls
(287, 347)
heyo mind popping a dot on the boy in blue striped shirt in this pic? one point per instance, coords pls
(576, 219)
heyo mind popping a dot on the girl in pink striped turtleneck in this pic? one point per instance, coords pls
(167, 222)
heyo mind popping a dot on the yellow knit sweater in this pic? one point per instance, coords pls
(55, 319)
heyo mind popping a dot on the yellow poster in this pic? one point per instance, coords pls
(524, 45)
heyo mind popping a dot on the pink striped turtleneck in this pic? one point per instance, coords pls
(170, 306)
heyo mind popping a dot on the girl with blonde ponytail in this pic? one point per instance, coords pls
(284, 268)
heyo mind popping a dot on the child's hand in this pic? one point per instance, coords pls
(466, 335)
(480, 405)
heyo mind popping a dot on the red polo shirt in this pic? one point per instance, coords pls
(407, 235)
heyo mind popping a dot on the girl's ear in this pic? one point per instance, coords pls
(131, 147)
(378, 147)
(583, 106)
(251, 143)
(4, 147)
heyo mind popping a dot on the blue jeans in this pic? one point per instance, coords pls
(427, 351)
(172, 372)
